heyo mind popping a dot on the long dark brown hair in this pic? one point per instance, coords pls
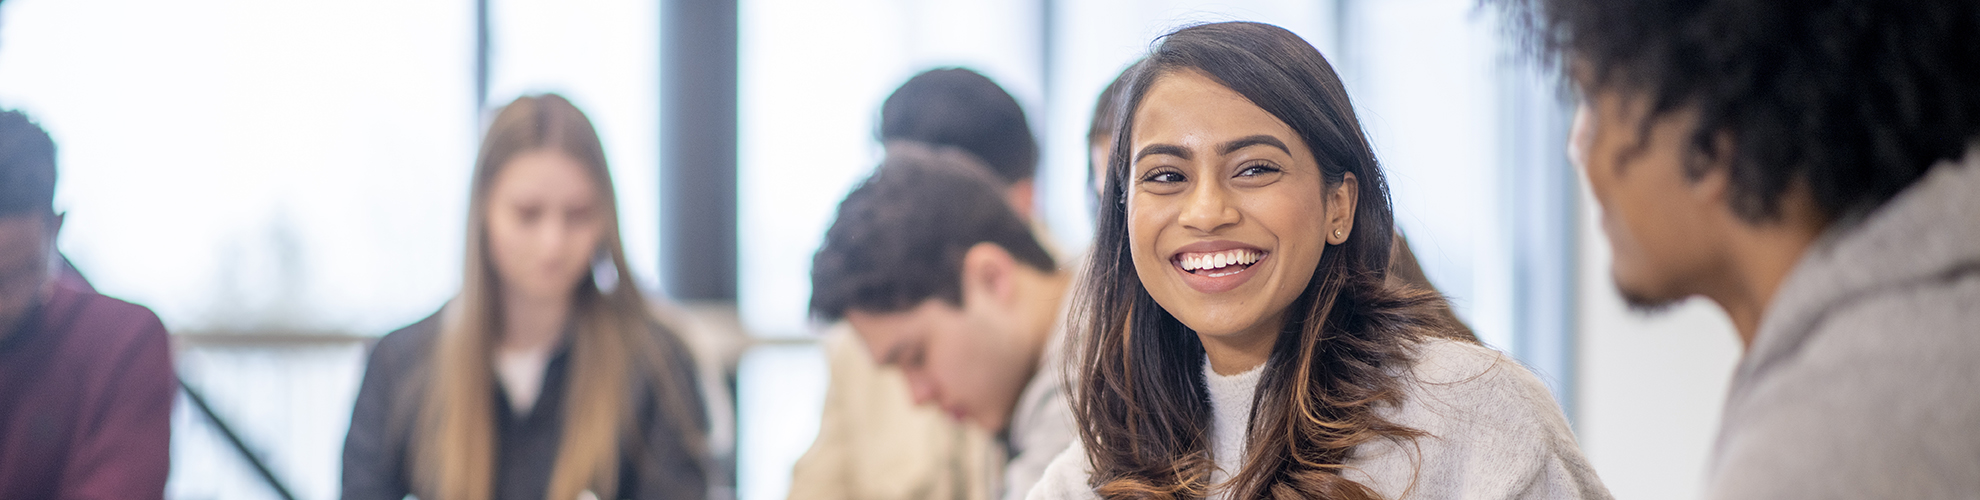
(1140, 400)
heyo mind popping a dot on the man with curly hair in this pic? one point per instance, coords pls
(1809, 166)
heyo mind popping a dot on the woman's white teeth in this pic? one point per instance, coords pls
(1215, 260)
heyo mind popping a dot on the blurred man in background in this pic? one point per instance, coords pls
(873, 442)
(86, 381)
(942, 280)
(1812, 168)
(961, 108)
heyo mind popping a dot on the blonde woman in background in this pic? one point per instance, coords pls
(547, 377)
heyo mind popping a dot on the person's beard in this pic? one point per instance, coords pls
(11, 326)
(1645, 304)
(1641, 302)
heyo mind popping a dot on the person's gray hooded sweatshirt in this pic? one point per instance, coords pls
(1864, 378)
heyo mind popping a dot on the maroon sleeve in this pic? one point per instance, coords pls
(124, 449)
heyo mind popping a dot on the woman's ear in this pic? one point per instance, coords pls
(604, 272)
(988, 273)
(1340, 209)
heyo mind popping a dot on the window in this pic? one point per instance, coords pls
(284, 166)
(267, 167)
(298, 172)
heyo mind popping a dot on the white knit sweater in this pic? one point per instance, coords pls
(1230, 414)
(1493, 430)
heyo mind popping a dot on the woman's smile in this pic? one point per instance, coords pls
(1216, 266)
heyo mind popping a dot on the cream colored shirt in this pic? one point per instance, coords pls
(874, 444)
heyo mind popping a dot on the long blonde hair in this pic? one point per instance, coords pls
(614, 339)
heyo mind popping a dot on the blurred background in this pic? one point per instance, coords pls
(283, 181)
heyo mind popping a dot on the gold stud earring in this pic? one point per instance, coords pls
(1337, 233)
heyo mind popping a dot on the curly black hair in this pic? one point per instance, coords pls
(1855, 98)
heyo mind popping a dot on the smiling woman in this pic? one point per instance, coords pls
(1257, 349)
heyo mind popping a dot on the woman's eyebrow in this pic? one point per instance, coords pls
(1162, 149)
(1254, 140)
(1228, 147)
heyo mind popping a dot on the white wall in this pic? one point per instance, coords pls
(244, 165)
(1650, 386)
(1424, 81)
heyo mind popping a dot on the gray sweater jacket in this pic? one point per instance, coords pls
(1494, 433)
(1864, 378)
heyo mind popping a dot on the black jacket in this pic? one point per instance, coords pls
(652, 466)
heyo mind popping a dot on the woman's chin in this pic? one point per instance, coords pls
(1237, 322)
(1220, 328)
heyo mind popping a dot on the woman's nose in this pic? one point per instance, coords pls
(1207, 208)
